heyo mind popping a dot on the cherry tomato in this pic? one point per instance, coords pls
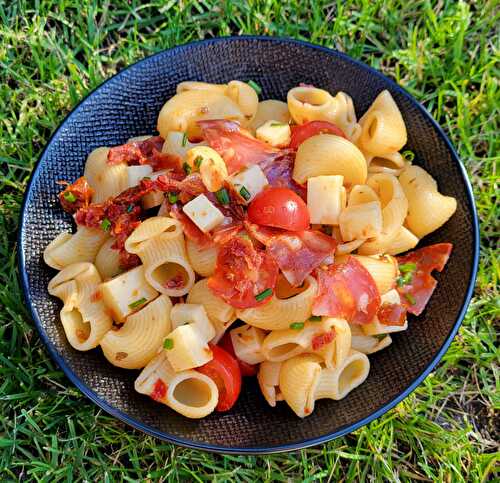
(246, 369)
(224, 370)
(309, 129)
(279, 208)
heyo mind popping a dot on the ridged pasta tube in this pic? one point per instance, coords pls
(383, 129)
(280, 313)
(327, 154)
(84, 316)
(137, 341)
(106, 180)
(190, 393)
(66, 248)
(428, 209)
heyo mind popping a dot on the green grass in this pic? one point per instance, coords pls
(445, 53)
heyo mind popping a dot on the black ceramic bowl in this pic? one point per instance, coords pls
(127, 105)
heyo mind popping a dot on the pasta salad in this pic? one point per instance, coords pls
(249, 238)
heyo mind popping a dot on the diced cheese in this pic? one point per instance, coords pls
(194, 314)
(189, 349)
(275, 133)
(361, 221)
(203, 213)
(127, 293)
(326, 198)
(136, 173)
(253, 179)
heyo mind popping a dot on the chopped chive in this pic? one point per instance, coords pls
(245, 193)
(410, 298)
(168, 344)
(70, 197)
(315, 318)
(297, 326)
(405, 279)
(255, 86)
(186, 168)
(137, 303)
(408, 155)
(197, 162)
(222, 196)
(105, 224)
(264, 295)
(380, 336)
(184, 139)
(173, 198)
(407, 267)
(130, 208)
(277, 124)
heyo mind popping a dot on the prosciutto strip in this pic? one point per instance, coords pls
(416, 293)
(299, 253)
(346, 290)
(145, 152)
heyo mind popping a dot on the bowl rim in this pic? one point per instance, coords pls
(251, 450)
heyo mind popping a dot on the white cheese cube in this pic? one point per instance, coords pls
(275, 133)
(326, 198)
(203, 213)
(188, 349)
(252, 179)
(127, 293)
(136, 173)
(194, 314)
(361, 221)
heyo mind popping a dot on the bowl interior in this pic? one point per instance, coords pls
(128, 105)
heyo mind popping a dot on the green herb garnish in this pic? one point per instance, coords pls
(187, 169)
(222, 196)
(70, 197)
(137, 303)
(197, 162)
(245, 193)
(410, 298)
(277, 124)
(173, 197)
(264, 295)
(297, 326)
(105, 224)
(407, 267)
(405, 279)
(130, 208)
(408, 155)
(315, 318)
(184, 139)
(255, 86)
(168, 344)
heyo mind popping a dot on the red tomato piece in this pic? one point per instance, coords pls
(237, 147)
(243, 272)
(279, 208)
(246, 369)
(416, 293)
(322, 339)
(159, 390)
(392, 314)
(310, 129)
(347, 290)
(224, 370)
(299, 253)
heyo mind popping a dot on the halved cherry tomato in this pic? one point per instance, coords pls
(309, 129)
(224, 370)
(246, 369)
(279, 208)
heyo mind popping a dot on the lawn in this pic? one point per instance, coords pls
(445, 53)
